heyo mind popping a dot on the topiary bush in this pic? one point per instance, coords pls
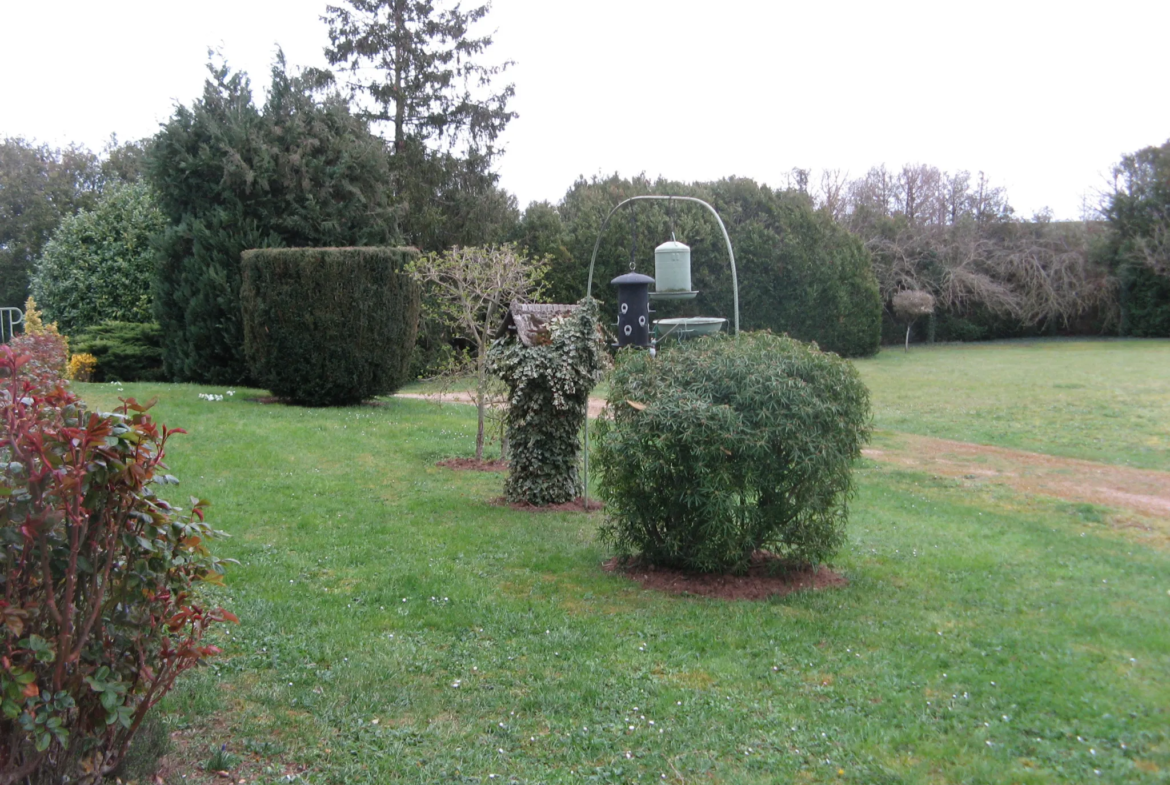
(726, 445)
(329, 326)
(548, 399)
(98, 616)
(123, 351)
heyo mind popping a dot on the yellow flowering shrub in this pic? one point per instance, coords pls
(81, 367)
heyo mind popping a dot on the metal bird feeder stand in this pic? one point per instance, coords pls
(672, 280)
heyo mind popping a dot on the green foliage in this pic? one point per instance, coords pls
(100, 264)
(125, 351)
(329, 326)
(417, 69)
(301, 172)
(798, 271)
(548, 399)
(39, 186)
(1138, 212)
(416, 63)
(540, 233)
(98, 618)
(723, 446)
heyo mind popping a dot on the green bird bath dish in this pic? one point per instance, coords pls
(687, 327)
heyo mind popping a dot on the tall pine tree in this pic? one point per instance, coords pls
(418, 71)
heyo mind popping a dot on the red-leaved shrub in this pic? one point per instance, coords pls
(97, 616)
(47, 356)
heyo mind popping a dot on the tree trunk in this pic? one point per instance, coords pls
(400, 55)
(908, 325)
(480, 395)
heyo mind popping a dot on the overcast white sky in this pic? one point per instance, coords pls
(1042, 96)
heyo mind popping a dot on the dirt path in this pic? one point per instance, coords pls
(1141, 491)
(462, 396)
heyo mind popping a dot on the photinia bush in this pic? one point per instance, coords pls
(97, 614)
(46, 356)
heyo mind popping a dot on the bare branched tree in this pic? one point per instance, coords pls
(472, 288)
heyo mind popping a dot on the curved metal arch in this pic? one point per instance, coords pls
(722, 228)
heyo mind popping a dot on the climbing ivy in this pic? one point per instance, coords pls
(548, 399)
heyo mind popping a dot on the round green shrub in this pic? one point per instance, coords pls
(727, 445)
(329, 326)
(99, 264)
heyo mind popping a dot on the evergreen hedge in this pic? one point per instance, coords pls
(329, 326)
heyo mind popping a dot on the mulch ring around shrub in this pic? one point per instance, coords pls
(472, 465)
(767, 576)
(577, 505)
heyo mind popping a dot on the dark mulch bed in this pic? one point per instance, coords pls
(472, 465)
(577, 505)
(767, 576)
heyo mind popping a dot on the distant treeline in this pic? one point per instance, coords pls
(819, 261)
(952, 235)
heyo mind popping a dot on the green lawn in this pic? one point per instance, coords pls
(398, 627)
(1102, 400)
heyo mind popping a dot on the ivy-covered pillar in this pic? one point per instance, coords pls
(549, 374)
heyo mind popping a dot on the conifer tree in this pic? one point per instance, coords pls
(301, 171)
(418, 69)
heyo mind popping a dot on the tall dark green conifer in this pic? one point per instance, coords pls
(302, 171)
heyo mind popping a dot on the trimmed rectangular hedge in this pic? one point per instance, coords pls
(329, 326)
